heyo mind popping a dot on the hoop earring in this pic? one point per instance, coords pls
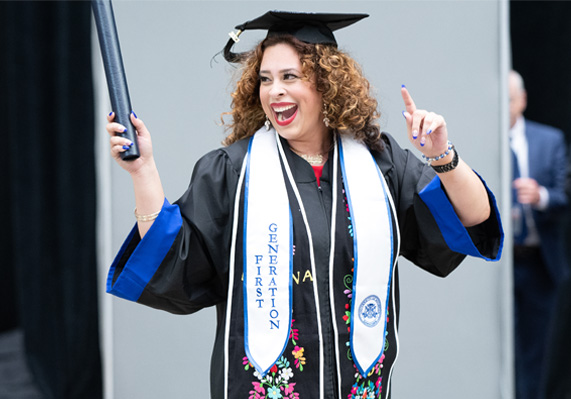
(267, 123)
(325, 118)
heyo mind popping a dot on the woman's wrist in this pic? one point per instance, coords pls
(148, 170)
(149, 193)
(439, 156)
(444, 165)
(445, 159)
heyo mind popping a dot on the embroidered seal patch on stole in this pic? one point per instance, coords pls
(370, 311)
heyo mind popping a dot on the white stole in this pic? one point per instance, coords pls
(370, 211)
(268, 233)
(268, 263)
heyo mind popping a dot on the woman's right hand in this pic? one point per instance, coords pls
(149, 193)
(120, 144)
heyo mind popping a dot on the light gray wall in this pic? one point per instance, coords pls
(449, 54)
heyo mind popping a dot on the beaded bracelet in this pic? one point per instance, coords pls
(436, 158)
(449, 166)
(146, 218)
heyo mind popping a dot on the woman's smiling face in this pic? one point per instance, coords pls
(292, 104)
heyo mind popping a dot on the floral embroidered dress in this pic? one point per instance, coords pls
(182, 266)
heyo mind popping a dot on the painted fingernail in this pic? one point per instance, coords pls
(134, 114)
(403, 115)
(126, 147)
(110, 113)
(430, 131)
(422, 142)
(125, 131)
(131, 144)
(403, 86)
(414, 134)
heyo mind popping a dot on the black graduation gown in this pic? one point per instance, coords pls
(181, 265)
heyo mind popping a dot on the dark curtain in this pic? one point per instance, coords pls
(540, 38)
(48, 266)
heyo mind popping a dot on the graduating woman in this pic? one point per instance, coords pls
(293, 228)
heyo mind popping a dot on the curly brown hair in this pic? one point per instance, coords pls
(345, 91)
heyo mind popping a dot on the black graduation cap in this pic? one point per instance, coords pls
(316, 28)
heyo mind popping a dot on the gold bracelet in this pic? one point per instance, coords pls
(146, 218)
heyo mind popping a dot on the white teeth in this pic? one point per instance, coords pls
(282, 109)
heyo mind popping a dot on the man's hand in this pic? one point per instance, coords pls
(527, 190)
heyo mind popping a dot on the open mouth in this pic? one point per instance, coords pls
(284, 115)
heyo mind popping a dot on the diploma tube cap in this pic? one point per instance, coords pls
(315, 28)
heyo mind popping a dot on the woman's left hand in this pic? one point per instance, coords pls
(426, 130)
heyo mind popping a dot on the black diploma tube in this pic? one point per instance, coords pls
(115, 72)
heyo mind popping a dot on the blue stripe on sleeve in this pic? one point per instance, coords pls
(146, 258)
(454, 233)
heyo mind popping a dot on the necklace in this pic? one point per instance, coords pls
(313, 160)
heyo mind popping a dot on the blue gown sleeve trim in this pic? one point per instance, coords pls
(455, 234)
(147, 256)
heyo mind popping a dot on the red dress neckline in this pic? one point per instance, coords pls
(318, 170)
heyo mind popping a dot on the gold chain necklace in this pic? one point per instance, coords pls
(313, 160)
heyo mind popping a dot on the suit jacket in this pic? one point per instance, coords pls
(547, 160)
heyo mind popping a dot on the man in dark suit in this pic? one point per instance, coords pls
(539, 253)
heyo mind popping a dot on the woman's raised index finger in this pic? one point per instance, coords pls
(408, 102)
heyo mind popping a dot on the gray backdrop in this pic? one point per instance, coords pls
(454, 332)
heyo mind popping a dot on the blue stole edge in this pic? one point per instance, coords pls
(453, 231)
(147, 256)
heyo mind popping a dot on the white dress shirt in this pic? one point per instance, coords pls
(518, 143)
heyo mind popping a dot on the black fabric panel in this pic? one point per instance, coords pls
(48, 137)
(540, 36)
(556, 383)
(8, 300)
(8, 309)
